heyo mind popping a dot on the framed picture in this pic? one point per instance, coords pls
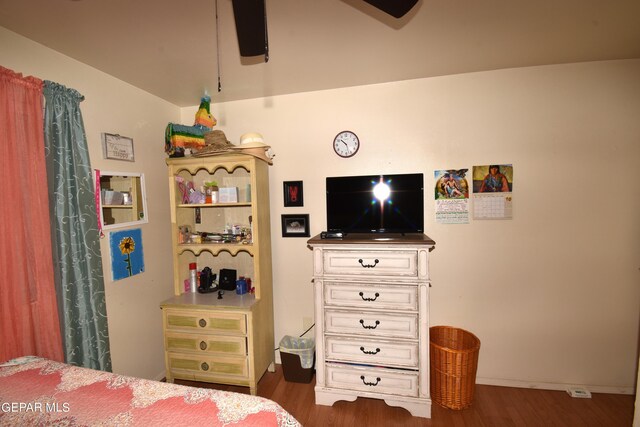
(295, 225)
(127, 255)
(293, 195)
(117, 147)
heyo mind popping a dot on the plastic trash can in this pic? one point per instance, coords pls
(298, 357)
(454, 362)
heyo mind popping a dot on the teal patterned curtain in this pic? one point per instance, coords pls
(74, 228)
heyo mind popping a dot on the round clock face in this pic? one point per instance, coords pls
(346, 144)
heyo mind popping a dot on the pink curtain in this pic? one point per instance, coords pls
(28, 309)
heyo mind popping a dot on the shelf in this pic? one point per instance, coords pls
(117, 207)
(228, 162)
(214, 205)
(208, 301)
(216, 248)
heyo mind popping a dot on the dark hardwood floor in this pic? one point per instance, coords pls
(492, 407)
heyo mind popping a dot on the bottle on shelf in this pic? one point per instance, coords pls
(193, 277)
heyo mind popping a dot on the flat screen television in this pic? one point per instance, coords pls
(376, 203)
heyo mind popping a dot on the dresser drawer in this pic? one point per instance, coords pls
(365, 295)
(206, 321)
(182, 364)
(369, 262)
(374, 380)
(372, 352)
(371, 323)
(211, 344)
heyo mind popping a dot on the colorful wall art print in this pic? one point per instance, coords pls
(493, 178)
(127, 255)
(452, 196)
(451, 184)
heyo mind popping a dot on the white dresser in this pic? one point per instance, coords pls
(372, 319)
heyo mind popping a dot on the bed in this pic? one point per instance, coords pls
(37, 391)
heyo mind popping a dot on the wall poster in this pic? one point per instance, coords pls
(451, 196)
(493, 191)
(127, 256)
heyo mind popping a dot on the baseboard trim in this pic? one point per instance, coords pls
(554, 386)
(516, 383)
(162, 376)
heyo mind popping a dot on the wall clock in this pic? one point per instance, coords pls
(346, 144)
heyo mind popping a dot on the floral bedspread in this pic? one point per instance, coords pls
(37, 392)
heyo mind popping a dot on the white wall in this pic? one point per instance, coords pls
(110, 105)
(553, 293)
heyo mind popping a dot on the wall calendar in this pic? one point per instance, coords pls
(492, 192)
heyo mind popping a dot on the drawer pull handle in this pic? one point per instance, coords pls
(369, 326)
(377, 350)
(375, 262)
(203, 345)
(370, 384)
(204, 366)
(369, 299)
(202, 323)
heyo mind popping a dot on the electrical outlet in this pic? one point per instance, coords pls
(579, 392)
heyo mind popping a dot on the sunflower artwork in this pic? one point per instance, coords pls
(127, 256)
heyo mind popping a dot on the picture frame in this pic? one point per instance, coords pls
(127, 253)
(116, 147)
(293, 193)
(295, 225)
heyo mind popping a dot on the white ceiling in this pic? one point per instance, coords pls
(168, 47)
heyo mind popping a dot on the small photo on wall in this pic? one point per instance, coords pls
(127, 255)
(293, 195)
(295, 225)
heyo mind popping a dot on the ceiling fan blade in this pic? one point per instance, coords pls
(395, 8)
(251, 26)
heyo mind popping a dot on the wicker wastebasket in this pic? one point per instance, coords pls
(454, 362)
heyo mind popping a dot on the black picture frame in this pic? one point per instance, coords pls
(295, 225)
(293, 194)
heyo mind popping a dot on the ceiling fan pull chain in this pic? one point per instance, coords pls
(218, 48)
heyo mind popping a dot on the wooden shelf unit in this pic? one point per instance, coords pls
(228, 340)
